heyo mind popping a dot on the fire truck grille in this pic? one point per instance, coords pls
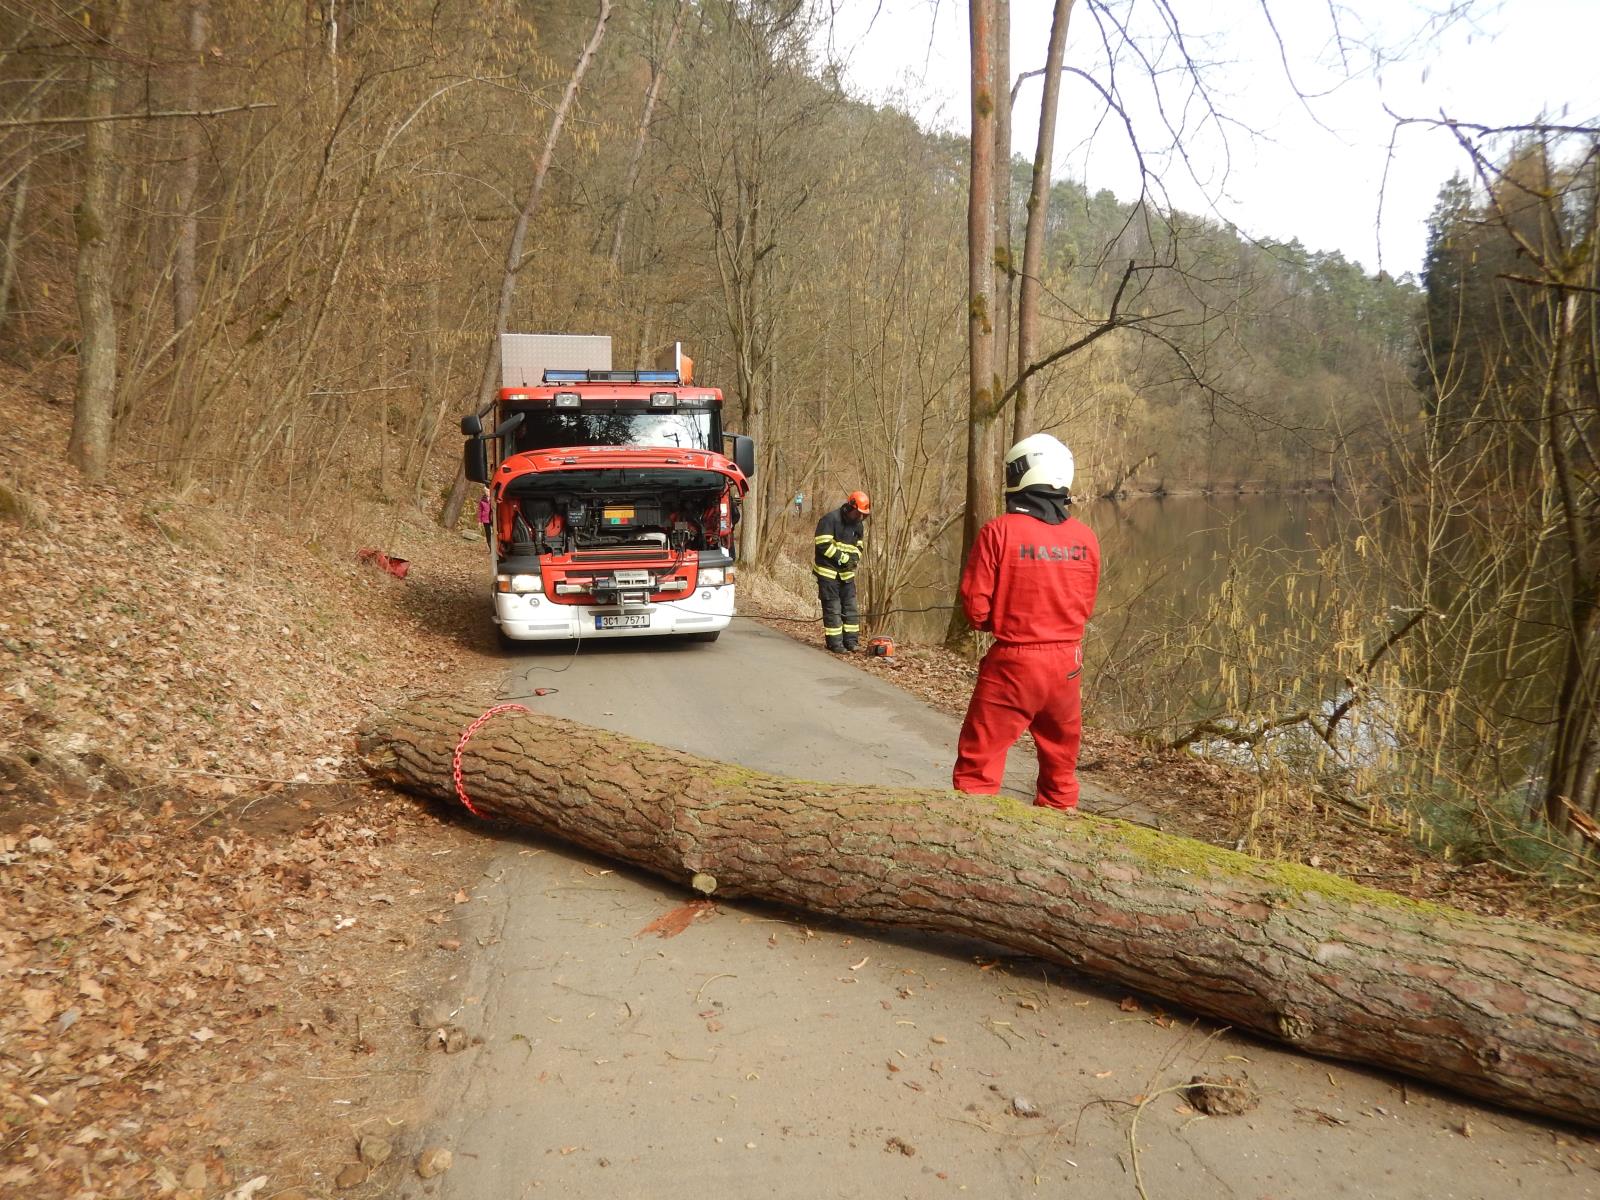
(608, 556)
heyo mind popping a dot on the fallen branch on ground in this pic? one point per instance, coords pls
(1506, 1011)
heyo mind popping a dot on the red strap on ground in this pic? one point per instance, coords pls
(398, 567)
(466, 736)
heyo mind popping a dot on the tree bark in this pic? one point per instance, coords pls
(89, 447)
(1504, 1011)
(982, 487)
(1038, 210)
(1005, 267)
(185, 290)
(1571, 417)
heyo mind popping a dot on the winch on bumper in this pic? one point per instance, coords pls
(618, 604)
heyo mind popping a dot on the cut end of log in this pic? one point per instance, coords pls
(703, 883)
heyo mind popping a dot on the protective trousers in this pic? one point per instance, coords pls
(1032, 687)
(841, 623)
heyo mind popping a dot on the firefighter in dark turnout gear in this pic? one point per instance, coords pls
(1031, 580)
(840, 535)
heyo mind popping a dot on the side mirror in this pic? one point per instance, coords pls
(510, 423)
(744, 455)
(471, 425)
(475, 459)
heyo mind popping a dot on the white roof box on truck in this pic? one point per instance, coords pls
(525, 357)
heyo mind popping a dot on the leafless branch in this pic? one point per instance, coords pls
(148, 115)
(1114, 319)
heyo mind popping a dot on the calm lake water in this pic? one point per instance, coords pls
(1163, 563)
(1167, 554)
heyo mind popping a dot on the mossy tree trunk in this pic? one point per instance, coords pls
(1504, 1011)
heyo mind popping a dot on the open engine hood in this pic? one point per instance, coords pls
(615, 468)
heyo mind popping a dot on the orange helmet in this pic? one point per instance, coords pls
(862, 504)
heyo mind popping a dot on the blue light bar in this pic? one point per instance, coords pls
(554, 376)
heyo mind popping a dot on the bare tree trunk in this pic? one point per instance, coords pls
(426, 348)
(1504, 1011)
(1038, 210)
(658, 72)
(744, 297)
(514, 251)
(755, 522)
(982, 384)
(184, 287)
(1004, 266)
(89, 448)
(1572, 424)
(13, 242)
(19, 181)
(1572, 784)
(332, 22)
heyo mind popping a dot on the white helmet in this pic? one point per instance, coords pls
(1038, 461)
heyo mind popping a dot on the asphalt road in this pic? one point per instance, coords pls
(762, 1052)
(762, 700)
(756, 698)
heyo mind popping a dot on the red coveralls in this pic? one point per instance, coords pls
(1033, 586)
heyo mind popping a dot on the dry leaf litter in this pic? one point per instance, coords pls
(214, 930)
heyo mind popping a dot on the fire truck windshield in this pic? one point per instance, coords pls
(685, 429)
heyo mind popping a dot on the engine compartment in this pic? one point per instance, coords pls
(572, 511)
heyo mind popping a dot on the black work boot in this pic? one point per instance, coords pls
(836, 646)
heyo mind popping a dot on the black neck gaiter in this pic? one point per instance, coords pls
(1045, 504)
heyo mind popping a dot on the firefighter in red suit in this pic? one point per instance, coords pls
(1031, 581)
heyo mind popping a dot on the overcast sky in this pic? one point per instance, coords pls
(1312, 169)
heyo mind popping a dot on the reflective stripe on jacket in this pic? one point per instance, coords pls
(839, 545)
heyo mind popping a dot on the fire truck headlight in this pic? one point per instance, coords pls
(711, 577)
(518, 583)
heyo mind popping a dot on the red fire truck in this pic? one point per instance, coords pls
(613, 495)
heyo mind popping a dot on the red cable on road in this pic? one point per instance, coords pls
(455, 762)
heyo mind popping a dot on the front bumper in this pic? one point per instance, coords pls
(533, 617)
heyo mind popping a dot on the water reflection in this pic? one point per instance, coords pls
(1258, 607)
(1175, 550)
(1170, 556)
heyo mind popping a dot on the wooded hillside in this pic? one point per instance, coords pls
(295, 224)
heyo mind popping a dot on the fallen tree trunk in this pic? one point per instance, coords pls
(1505, 1011)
